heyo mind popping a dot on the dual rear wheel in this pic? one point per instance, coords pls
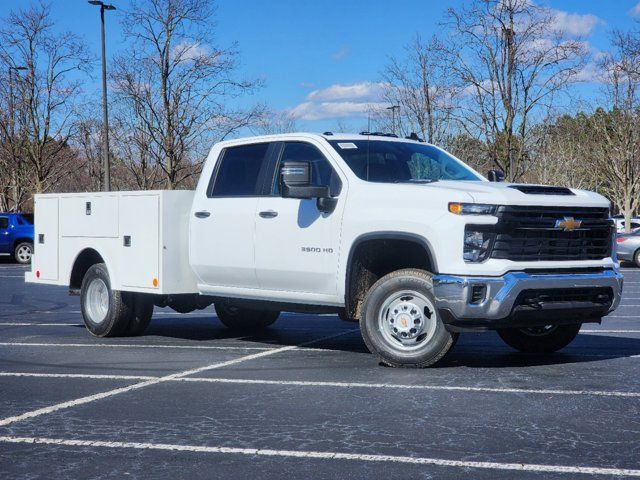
(112, 313)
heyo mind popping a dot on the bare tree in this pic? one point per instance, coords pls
(616, 154)
(513, 62)
(178, 85)
(420, 84)
(275, 122)
(46, 94)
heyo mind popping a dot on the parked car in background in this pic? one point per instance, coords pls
(621, 224)
(628, 247)
(16, 237)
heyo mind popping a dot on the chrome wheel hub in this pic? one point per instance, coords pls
(96, 302)
(24, 253)
(407, 320)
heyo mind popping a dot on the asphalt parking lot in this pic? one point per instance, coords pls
(305, 400)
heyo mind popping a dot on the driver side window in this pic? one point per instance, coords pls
(322, 173)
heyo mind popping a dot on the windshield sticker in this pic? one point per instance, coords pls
(347, 146)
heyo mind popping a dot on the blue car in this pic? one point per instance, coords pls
(16, 236)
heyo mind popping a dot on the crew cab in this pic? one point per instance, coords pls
(16, 237)
(395, 234)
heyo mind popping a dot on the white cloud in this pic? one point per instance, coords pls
(190, 51)
(356, 91)
(340, 54)
(592, 72)
(341, 101)
(574, 23)
(331, 110)
(635, 11)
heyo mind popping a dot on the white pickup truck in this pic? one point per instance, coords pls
(394, 233)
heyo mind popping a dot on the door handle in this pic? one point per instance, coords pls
(202, 214)
(268, 214)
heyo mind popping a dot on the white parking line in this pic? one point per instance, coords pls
(303, 383)
(166, 378)
(609, 331)
(77, 375)
(33, 324)
(300, 348)
(442, 462)
(129, 345)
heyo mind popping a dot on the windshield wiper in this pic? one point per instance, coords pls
(417, 180)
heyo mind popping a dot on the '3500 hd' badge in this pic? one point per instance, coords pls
(317, 249)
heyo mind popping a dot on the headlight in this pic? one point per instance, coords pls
(472, 209)
(477, 245)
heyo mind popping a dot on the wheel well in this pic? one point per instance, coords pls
(84, 261)
(22, 240)
(373, 258)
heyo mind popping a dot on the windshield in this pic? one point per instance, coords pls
(400, 162)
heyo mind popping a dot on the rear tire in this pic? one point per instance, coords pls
(106, 312)
(141, 307)
(400, 323)
(23, 253)
(636, 258)
(244, 319)
(547, 339)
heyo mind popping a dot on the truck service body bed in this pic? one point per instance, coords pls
(142, 237)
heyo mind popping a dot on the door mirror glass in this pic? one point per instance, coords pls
(495, 176)
(295, 181)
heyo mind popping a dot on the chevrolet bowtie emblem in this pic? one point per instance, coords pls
(568, 224)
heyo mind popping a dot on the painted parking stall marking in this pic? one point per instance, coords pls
(443, 462)
(353, 385)
(155, 381)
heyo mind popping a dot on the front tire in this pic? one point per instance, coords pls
(23, 253)
(400, 323)
(106, 312)
(244, 319)
(539, 340)
(636, 258)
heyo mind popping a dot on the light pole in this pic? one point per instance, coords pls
(105, 115)
(393, 109)
(12, 132)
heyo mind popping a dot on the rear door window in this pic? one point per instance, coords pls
(239, 171)
(4, 222)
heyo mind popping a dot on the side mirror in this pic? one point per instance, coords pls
(495, 176)
(295, 182)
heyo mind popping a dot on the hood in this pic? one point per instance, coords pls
(500, 193)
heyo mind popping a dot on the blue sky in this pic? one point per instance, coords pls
(317, 57)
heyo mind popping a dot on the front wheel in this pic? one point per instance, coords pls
(400, 323)
(548, 339)
(23, 253)
(244, 319)
(636, 258)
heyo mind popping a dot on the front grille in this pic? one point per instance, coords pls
(526, 233)
(544, 297)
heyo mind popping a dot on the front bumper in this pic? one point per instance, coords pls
(501, 304)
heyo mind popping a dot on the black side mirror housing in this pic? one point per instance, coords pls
(495, 176)
(295, 182)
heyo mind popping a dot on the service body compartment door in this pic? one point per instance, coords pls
(139, 248)
(46, 255)
(94, 215)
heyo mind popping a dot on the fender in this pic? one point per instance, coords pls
(386, 235)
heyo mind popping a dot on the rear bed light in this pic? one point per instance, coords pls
(37, 273)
